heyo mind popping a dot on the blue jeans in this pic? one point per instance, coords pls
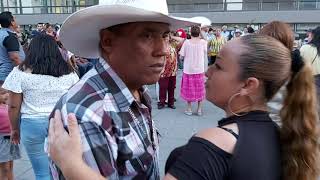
(33, 134)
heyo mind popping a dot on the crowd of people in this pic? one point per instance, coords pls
(87, 114)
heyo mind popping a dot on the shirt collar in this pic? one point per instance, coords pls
(117, 87)
(8, 29)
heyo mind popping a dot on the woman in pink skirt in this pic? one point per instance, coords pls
(192, 85)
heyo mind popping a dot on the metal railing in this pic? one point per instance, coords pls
(246, 6)
(44, 9)
(296, 5)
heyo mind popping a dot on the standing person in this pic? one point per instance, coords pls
(247, 74)
(49, 30)
(11, 51)
(35, 86)
(311, 55)
(8, 151)
(37, 31)
(204, 30)
(211, 33)
(250, 30)
(111, 103)
(11, 54)
(225, 33)
(167, 81)
(308, 36)
(215, 45)
(182, 34)
(245, 31)
(192, 85)
(233, 32)
(237, 34)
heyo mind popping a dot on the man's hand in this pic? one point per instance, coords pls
(64, 148)
(15, 58)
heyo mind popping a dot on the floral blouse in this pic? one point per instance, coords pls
(170, 68)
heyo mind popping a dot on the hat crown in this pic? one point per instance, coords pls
(150, 5)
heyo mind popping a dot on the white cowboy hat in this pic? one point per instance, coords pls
(204, 21)
(80, 31)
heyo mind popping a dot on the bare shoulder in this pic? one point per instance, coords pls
(220, 137)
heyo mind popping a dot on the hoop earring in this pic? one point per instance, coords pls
(230, 109)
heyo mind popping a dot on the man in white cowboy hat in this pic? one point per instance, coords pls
(110, 102)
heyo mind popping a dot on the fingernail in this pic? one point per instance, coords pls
(72, 118)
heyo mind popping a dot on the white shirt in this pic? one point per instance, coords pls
(40, 92)
(310, 55)
(225, 34)
(194, 53)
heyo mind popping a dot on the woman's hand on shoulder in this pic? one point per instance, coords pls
(64, 148)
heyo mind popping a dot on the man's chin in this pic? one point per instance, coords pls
(152, 79)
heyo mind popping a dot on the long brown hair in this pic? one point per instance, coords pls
(299, 131)
(280, 31)
(270, 61)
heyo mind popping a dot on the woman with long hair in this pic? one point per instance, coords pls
(193, 52)
(34, 88)
(247, 144)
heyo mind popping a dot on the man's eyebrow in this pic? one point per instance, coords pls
(154, 30)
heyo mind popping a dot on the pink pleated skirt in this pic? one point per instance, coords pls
(192, 87)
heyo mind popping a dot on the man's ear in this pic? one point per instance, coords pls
(106, 39)
(251, 86)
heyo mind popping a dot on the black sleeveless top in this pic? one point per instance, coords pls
(256, 155)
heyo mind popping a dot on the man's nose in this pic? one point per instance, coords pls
(160, 47)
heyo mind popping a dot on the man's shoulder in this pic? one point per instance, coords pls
(85, 98)
(10, 38)
(4, 35)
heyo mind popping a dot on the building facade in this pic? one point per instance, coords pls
(301, 14)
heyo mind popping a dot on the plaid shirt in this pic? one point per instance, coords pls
(119, 140)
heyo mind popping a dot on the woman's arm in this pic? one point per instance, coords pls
(4, 95)
(15, 100)
(66, 151)
(179, 39)
(169, 177)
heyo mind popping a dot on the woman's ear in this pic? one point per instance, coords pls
(251, 85)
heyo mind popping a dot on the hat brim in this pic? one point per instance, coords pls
(80, 31)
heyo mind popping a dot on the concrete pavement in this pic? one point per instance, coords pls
(175, 127)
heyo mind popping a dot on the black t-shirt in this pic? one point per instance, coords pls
(256, 155)
(199, 160)
(11, 42)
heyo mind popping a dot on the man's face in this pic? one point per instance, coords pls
(205, 29)
(218, 32)
(14, 23)
(137, 52)
(224, 28)
(39, 27)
